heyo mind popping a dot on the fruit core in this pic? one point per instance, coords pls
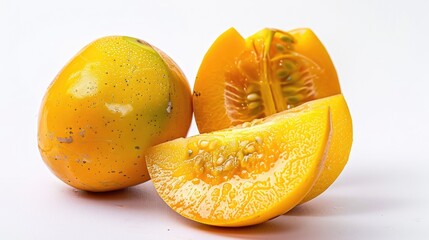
(214, 161)
(268, 77)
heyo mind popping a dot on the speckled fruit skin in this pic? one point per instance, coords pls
(115, 98)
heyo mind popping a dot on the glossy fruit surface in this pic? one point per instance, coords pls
(247, 174)
(116, 97)
(244, 79)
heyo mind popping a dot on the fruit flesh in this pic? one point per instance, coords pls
(115, 98)
(241, 80)
(243, 175)
(268, 72)
(208, 95)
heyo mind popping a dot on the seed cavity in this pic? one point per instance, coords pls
(268, 78)
(215, 162)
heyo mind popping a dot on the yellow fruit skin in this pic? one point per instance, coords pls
(294, 144)
(340, 147)
(114, 99)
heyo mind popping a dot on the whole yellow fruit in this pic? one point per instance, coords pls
(115, 98)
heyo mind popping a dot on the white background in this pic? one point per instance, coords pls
(380, 49)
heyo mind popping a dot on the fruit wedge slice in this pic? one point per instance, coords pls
(243, 175)
(244, 79)
(271, 71)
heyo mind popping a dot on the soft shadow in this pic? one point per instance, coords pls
(140, 197)
(357, 194)
(359, 179)
(267, 230)
(344, 206)
(118, 195)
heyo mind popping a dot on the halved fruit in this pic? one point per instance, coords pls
(247, 174)
(244, 79)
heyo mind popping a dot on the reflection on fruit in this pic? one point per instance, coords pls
(247, 174)
(116, 97)
(244, 79)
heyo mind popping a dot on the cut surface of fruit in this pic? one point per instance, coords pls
(244, 79)
(267, 73)
(243, 175)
